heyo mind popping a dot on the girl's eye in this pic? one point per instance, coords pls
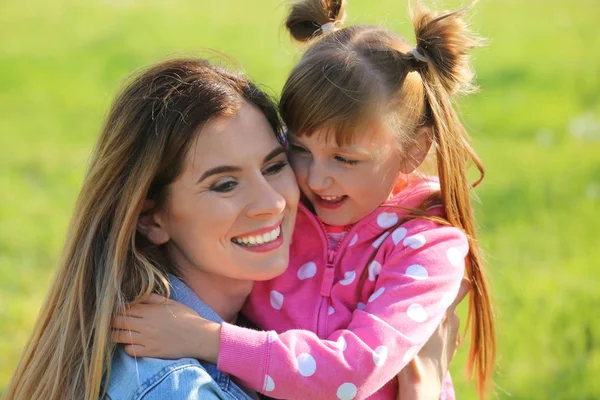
(298, 149)
(346, 160)
(224, 186)
(276, 168)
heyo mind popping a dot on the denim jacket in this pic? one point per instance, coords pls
(186, 378)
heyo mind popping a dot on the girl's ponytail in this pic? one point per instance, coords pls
(443, 45)
(441, 57)
(309, 19)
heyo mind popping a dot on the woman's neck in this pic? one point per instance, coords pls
(225, 296)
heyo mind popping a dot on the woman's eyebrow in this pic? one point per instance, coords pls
(274, 153)
(218, 170)
(230, 168)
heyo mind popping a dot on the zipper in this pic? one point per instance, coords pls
(328, 273)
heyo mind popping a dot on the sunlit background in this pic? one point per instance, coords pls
(535, 123)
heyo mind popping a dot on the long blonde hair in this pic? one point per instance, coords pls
(105, 262)
(350, 75)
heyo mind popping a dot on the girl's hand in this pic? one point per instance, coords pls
(422, 378)
(163, 328)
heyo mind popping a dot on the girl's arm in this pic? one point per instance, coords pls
(417, 283)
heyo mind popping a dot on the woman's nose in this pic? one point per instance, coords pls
(266, 201)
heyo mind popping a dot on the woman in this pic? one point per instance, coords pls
(158, 212)
(156, 196)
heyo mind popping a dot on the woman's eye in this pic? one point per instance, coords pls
(346, 160)
(224, 187)
(297, 149)
(275, 168)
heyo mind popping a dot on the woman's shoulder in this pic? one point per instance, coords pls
(147, 378)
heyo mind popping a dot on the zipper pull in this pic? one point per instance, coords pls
(328, 275)
(330, 258)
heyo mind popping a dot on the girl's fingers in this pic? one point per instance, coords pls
(126, 337)
(133, 311)
(465, 287)
(135, 350)
(125, 323)
(414, 368)
(155, 299)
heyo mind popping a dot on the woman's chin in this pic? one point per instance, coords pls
(273, 269)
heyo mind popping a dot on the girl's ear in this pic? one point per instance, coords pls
(416, 152)
(151, 225)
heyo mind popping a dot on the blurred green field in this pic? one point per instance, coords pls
(536, 124)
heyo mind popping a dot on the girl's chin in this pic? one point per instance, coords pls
(328, 219)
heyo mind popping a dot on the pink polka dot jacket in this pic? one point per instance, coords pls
(340, 323)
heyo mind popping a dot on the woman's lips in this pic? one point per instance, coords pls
(261, 240)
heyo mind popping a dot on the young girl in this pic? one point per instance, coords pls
(379, 249)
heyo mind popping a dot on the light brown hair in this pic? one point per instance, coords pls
(349, 76)
(106, 263)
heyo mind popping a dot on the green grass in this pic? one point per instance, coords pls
(536, 124)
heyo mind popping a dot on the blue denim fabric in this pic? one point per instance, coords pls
(157, 379)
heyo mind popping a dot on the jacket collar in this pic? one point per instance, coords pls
(182, 293)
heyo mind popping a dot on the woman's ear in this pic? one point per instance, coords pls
(150, 224)
(415, 153)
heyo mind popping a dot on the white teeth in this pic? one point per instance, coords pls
(331, 198)
(259, 239)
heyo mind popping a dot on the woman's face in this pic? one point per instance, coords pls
(232, 210)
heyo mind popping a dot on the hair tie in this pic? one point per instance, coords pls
(328, 27)
(416, 53)
(282, 138)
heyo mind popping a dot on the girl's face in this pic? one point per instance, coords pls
(232, 210)
(344, 184)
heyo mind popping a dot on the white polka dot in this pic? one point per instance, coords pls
(346, 391)
(443, 395)
(410, 354)
(341, 343)
(272, 336)
(307, 271)
(331, 310)
(415, 241)
(398, 235)
(376, 295)
(387, 220)
(276, 300)
(455, 256)
(374, 270)
(380, 355)
(354, 240)
(416, 313)
(447, 299)
(348, 278)
(360, 306)
(306, 364)
(417, 272)
(269, 385)
(380, 240)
